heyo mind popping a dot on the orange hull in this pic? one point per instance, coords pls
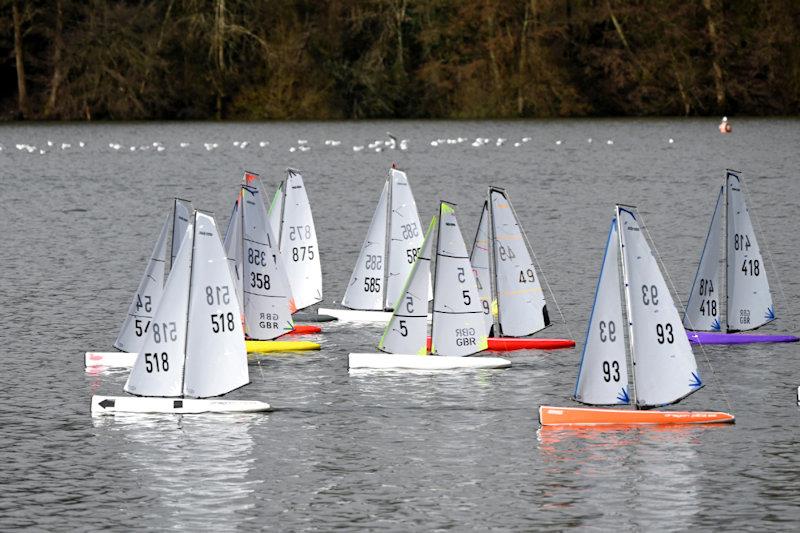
(589, 416)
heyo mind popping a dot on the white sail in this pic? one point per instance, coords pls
(181, 214)
(458, 326)
(407, 330)
(266, 300)
(664, 367)
(145, 300)
(479, 259)
(232, 244)
(749, 300)
(365, 290)
(521, 307)
(603, 374)
(216, 359)
(703, 309)
(298, 243)
(158, 370)
(276, 212)
(405, 236)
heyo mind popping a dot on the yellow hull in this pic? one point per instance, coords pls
(280, 346)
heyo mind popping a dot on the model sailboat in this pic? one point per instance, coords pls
(748, 299)
(148, 293)
(194, 350)
(387, 255)
(512, 298)
(663, 367)
(457, 325)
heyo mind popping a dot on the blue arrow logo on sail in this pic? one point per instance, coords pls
(715, 325)
(770, 314)
(623, 397)
(696, 383)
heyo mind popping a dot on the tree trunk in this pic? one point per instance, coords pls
(58, 47)
(219, 49)
(719, 85)
(22, 90)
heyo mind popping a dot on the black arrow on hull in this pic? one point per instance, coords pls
(106, 403)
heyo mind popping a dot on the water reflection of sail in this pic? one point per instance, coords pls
(196, 471)
(647, 475)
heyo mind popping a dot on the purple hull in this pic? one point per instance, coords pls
(707, 337)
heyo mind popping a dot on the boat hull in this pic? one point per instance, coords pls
(710, 337)
(389, 361)
(588, 416)
(127, 359)
(509, 344)
(357, 315)
(110, 405)
(302, 329)
(302, 316)
(280, 346)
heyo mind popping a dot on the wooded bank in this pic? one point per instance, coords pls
(339, 59)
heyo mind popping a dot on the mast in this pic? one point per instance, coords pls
(627, 311)
(387, 244)
(188, 303)
(492, 267)
(435, 270)
(727, 252)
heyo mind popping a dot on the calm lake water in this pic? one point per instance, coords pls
(395, 451)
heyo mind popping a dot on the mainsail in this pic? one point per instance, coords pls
(664, 368)
(458, 327)
(749, 299)
(266, 302)
(521, 307)
(405, 235)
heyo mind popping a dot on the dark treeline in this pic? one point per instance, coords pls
(279, 59)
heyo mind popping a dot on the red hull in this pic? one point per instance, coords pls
(509, 344)
(303, 329)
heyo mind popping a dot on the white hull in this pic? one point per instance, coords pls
(422, 362)
(109, 405)
(110, 359)
(354, 315)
